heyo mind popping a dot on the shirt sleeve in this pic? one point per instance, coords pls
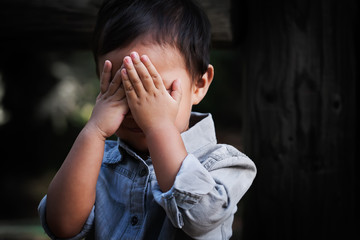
(85, 230)
(205, 195)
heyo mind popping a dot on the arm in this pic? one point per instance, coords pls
(204, 197)
(71, 193)
(155, 111)
(166, 160)
(196, 198)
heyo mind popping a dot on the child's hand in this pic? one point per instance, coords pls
(150, 103)
(111, 104)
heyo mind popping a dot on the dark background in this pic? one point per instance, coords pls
(285, 93)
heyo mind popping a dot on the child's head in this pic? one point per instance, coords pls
(174, 34)
(178, 23)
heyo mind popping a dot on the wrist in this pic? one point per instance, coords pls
(160, 129)
(92, 131)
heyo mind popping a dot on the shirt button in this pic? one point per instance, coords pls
(134, 220)
(143, 172)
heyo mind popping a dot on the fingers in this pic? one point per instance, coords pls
(155, 76)
(142, 74)
(128, 87)
(110, 87)
(115, 84)
(120, 95)
(105, 77)
(176, 91)
(131, 80)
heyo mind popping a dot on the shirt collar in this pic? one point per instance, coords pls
(201, 133)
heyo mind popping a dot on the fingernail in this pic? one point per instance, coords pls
(127, 59)
(144, 58)
(107, 65)
(134, 55)
(123, 71)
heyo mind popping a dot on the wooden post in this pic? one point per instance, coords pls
(301, 119)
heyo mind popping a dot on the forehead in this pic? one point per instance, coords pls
(164, 57)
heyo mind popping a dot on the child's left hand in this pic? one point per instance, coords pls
(151, 105)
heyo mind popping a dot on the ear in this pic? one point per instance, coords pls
(202, 85)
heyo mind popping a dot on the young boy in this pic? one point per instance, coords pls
(165, 177)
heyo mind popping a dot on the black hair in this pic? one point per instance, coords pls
(179, 23)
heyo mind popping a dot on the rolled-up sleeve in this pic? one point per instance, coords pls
(205, 195)
(85, 230)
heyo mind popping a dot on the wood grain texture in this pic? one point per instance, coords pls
(301, 119)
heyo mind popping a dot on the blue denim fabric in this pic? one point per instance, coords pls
(201, 204)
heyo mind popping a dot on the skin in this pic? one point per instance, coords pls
(146, 95)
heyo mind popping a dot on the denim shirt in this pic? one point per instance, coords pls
(201, 203)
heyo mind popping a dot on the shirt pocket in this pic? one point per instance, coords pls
(114, 182)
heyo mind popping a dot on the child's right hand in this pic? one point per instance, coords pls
(111, 104)
(72, 192)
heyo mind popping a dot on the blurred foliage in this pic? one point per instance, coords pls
(71, 99)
